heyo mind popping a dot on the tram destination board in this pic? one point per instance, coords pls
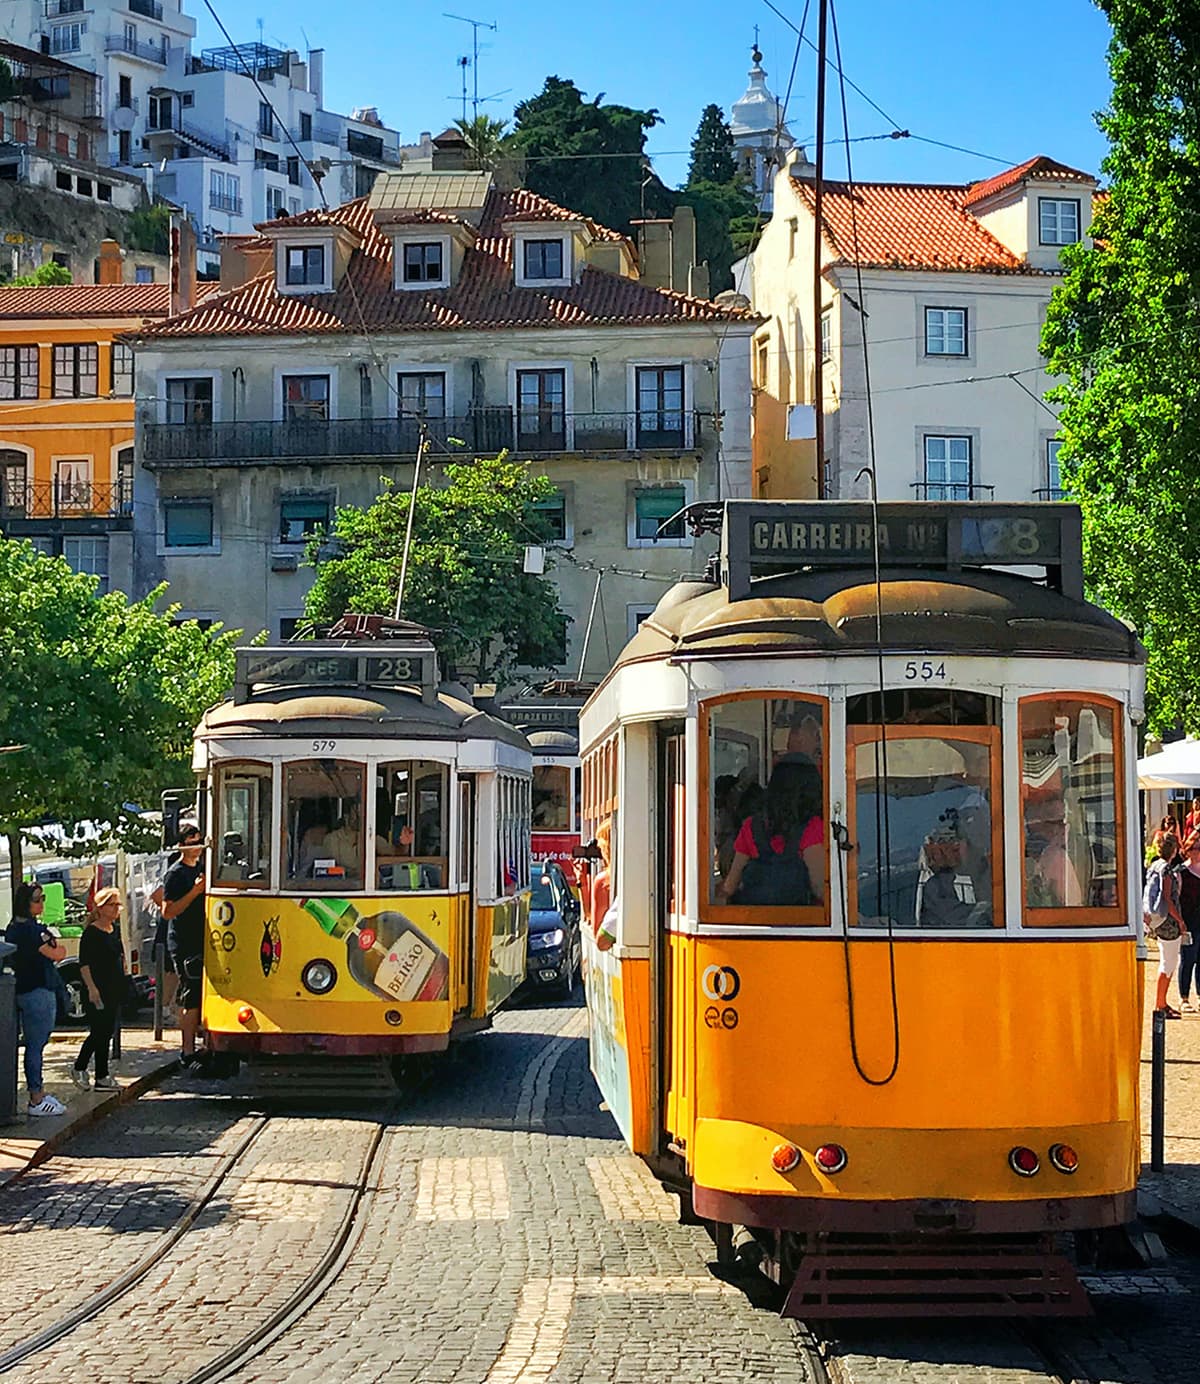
(759, 536)
(262, 669)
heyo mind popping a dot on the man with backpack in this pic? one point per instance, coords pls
(1163, 919)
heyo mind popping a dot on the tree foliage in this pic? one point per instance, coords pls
(1123, 330)
(721, 208)
(149, 229)
(465, 576)
(49, 273)
(557, 126)
(484, 136)
(713, 158)
(103, 694)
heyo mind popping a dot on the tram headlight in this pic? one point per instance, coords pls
(1064, 1158)
(319, 976)
(1024, 1162)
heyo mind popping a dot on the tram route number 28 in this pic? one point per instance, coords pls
(925, 670)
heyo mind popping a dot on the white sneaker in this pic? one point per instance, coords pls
(81, 1078)
(107, 1083)
(48, 1105)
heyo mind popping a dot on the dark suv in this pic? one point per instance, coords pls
(555, 954)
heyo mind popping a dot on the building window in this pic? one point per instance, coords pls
(73, 483)
(293, 205)
(124, 496)
(276, 199)
(305, 126)
(423, 263)
(305, 398)
(104, 192)
(143, 273)
(1054, 490)
(293, 171)
(122, 369)
(190, 401)
(1058, 220)
(421, 395)
(225, 192)
(124, 147)
(543, 259)
(289, 626)
(266, 119)
(18, 372)
(945, 331)
(652, 510)
(762, 355)
(125, 92)
(947, 468)
(14, 499)
(552, 511)
(62, 181)
(660, 406)
(302, 516)
(68, 38)
(88, 555)
(306, 264)
(826, 336)
(541, 416)
(75, 371)
(187, 523)
(634, 615)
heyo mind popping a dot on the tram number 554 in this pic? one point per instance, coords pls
(924, 670)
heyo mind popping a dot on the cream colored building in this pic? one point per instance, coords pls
(502, 320)
(951, 283)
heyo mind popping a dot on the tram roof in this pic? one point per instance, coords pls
(301, 711)
(553, 741)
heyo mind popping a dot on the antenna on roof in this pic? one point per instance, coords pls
(476, 25)
(464, 62)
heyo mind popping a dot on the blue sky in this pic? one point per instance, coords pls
(1010, 81)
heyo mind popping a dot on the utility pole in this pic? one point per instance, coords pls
(818, 280)
(476, 25)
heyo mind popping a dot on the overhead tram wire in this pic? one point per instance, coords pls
(883, 838)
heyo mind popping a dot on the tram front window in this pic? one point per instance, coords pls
(243, 844)
(767, 833)
(411, 826)
(323, 837)
(551, 797)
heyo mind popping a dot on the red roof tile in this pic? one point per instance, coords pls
(484, 298)
(1040, 166)
(90, 300)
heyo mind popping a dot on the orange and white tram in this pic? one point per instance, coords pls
(874, 992)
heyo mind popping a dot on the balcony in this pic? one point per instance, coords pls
(146, 7)
(220, 201)
(55, 9)
(66, 500)
(1050, 493)
(950, 490)
(148, 52)
(484, 432)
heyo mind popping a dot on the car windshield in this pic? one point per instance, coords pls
(543, 894)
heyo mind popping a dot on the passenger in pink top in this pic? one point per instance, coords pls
(779, 853)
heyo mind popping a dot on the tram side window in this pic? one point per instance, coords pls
(243, 845)
(323, 834)
(766, 795)
(512, 835)
(551, 797)
(601, 828)
(1069, 804)
(412, 826)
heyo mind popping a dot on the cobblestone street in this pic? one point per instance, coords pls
(489, 1228)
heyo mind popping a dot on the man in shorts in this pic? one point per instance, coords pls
(183, 908)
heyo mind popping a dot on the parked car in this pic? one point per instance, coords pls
(555, 956)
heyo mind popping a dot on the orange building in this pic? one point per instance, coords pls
(66, 416)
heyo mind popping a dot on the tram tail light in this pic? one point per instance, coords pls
(785, 1158)
(830, 1158)
(1064, 1158)
(1024, 1162)
(245, 1014)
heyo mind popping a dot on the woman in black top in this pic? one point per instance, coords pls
(102, 966)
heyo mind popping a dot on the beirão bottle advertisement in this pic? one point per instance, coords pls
(386, 952)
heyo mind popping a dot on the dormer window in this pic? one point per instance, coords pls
(543, 259)
(1058, 220)
(424, 262)
(305, 266)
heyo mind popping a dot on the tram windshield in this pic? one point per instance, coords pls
(411, 826)
(767, 802)
(552, 796)
(243, 844)
(323, 824)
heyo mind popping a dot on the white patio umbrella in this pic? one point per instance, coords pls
(1175, 766)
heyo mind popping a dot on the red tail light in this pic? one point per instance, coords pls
(785, 1157)
(830, 1158)
(1064, 1158)
(245, 1014)
(1024, 1162)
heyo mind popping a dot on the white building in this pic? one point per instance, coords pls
(760, 134)
(952, 284)
(196, 125)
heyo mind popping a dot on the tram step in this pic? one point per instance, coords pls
(944, 1282)
(323, 1080)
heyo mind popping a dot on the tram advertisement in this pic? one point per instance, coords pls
(558, 846)
(609, 1041)
(392, 948)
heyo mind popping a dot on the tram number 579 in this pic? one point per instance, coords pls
(924, 670)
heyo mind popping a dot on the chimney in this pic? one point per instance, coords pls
(316, 74)
(243, 257)
(110, 263)
(450, 152)
(183, 265)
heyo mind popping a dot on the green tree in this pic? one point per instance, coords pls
(149, 229)
(9, 86)
(48, 273)
(485, 139)
(712, 150)
(588, 157)
(465, 576)
(720, 209)
(1123, 332)
(102, 695)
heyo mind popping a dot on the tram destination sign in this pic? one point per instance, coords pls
(334, 665)
(763, 535)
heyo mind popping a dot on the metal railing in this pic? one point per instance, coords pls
(152, 52)
(1050, 492)
(483, 432)
(55, 9)
(64, 500)
(951, 490)
(219, 201)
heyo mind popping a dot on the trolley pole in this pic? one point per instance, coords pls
(159, 979)
(1158, 1088)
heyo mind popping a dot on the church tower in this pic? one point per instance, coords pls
(760, 137)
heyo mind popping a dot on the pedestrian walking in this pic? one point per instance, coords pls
(37, 949)
(102, 967)
(183, 908)
(170, 979)
(1189, 907)
(1163, 920)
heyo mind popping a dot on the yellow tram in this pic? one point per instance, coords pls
(368, 886)
(874, 990)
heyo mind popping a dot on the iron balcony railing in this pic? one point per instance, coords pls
(66, 500)
(483, 432)
(1051, 492)
(951, 490)
(220, 201)
(151, 52)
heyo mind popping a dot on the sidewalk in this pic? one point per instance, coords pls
(1175, 1192)
(143, 1062)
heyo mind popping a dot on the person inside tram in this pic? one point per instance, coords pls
(956, 867)
(311, 846)
(344, 842)
(1051, 879)
(550, 809)
(779, 851)
(804, 738)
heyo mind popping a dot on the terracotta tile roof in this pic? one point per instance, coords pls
(1040, 166)
(424, 216)
(91, 300)
(484, 298)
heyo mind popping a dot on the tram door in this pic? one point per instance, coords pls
(464, 941)
(670, 1043)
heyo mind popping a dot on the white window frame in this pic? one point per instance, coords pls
(568, 259)
(164, 549)
(303, 367)
(415, 367)
(825, 335)
(962, 435)
(160, 389)
(689, 396)
(1044, 204)
(101, 540)
(1050, 450)
(325, 497)
(303, 243)
(631, 536)
(87, 473)
(567, 490)
(398, 244)
(516, 367)
(945, 311)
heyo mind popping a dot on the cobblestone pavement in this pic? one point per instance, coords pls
(507, 1238)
